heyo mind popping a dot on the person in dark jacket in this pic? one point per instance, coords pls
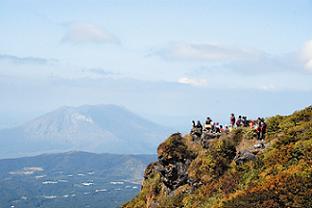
(232, 120)
(198, 125)
(208, 120)
(263, 128)
(258, 130)
(245, 122)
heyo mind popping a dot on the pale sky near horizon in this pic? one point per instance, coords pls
(158, 58)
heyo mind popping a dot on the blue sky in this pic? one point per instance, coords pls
(158, 58)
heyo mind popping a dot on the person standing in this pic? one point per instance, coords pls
(258, 130)
(232, 120)
(263, 128)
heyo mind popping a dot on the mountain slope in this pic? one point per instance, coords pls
(190, 175)
(100, 128)
(73, 179)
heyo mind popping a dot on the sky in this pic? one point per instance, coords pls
(169, 61)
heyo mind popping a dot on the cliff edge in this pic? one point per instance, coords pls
(232, 170)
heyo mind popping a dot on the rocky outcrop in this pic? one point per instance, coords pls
(174, 158)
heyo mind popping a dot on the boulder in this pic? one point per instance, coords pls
(244, 156)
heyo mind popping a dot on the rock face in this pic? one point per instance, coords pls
(230, 171)
(174, 160)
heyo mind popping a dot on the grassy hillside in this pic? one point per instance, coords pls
(191, 176)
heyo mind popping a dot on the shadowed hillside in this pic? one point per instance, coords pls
(191, 175)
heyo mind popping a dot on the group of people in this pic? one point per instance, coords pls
(215, 128)
(240, 122)
(210, 126)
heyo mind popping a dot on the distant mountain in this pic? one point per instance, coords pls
(73, 179)
(94, 128)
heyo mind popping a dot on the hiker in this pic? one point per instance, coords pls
(245, 123)
(197, 130)
(232, 120)
(208, 120)
(263, 129)
(198, 125)
(208, 124)
(221, 129)
(193, 124)
(213, 126)
(226, 130)
(258, 130)
(239, 121)
(217, 128)
(251, 124)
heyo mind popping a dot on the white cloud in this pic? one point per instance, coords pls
(206, 52)
(307, 55)
(268, 87)
(193, 81)
(34, 67)
(204, 59)
(25, 60)
(89, 33)
(27, 171)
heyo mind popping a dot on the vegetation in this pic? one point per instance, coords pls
(280, 176)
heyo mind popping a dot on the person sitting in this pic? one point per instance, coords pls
(251, 124)
(221, 129)
(208, 125)
(208, 120)
(239, 121)
(217, 128)
(198, 125)
(196, 131)
(213, 126)
(226, 129)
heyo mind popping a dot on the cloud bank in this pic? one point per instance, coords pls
(206, 52)
(88, 33)
(25, 60)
